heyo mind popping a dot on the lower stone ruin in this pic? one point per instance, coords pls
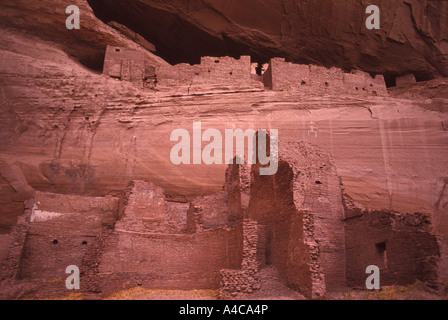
(297, 221)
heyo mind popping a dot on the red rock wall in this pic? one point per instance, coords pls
(125, 64)
(62, 228)
(164, 261)
(272, 205)
(213, 71)
(246, 279)
(312, 79)
(400, 245)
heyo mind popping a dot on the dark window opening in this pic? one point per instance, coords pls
(259, 69)
(381, 254)
(117, 50)
(84, 242)
(357, 88)
(318, 182)
(230, 72)
(216, 61)
(55, 241)
(327, 84)
(303, 82)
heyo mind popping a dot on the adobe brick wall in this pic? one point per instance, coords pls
(154, 255)
(62, 228)
(311, 79)
(169, 261)
(301, 207)
(246, 279)
(319, 192)
(145, 209)
(237, 190)
(207, 212)
(272, 205)
(401, 245)
(218, 72)
(125, 64)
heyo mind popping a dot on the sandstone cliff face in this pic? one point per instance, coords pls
(412, 36)
(66, 128)
(46, 21)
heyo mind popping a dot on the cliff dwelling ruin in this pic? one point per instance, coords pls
(228, 73)
(87, 181)
(298, 222)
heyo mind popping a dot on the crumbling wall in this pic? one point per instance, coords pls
(145, 209)
(218, 72)
(320, 193)
(125, 64)
(62, 227)
(272, 205)
(301, 207)
(246, 279)
(401, 245)
(207, 212)
(237, 190)
(169, 261)
(151, 254)
(311, 79)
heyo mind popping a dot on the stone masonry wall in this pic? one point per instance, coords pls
(125, 64)
(62, 229)
(319, 192)
(401, 245)
(222, 72)
(311, 79)
(245, 280)
(145, 209)
(143, 250)
(272, 205)
(11, 263)
(168, 261)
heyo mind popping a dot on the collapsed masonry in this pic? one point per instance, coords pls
(226, 73)
(297, 221)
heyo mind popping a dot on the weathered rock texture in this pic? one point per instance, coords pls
(245, 280)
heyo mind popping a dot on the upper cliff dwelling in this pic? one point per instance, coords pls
(91, 117)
